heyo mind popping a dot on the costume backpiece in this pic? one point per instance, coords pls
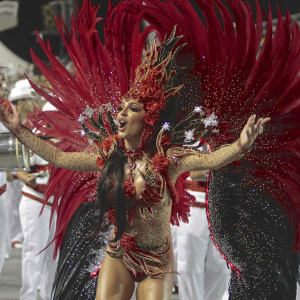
(233, 76)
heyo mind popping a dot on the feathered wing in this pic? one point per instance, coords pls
(81, 252)
(243, 72)
(102, 71)
(237, 77)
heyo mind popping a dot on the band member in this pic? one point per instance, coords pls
(38, 266)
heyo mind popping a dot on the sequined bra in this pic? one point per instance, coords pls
(152, 193)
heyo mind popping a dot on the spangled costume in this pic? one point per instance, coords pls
(226, 75)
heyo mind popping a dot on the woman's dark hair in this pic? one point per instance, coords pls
(111, 193)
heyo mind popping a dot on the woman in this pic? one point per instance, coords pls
(235, 82)
(140, 248)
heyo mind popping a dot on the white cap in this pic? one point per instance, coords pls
(48, 106)
(22, 90)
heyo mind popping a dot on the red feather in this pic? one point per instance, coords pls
(238, 77)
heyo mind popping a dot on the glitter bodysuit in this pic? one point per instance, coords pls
(145, 244)
(144, 247)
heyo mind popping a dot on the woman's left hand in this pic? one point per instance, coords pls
(251, 131)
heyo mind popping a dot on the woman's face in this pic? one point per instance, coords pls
(130, 122)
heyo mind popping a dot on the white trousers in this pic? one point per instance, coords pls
(204, 274)
(13, 196)
(298, 292)
(37, 268)
(3, 229)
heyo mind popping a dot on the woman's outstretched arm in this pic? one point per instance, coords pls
(189, 160)
(77, 161)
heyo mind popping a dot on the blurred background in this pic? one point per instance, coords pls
(19, 19)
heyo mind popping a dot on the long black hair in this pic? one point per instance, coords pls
(110, 192)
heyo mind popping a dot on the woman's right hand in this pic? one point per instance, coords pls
(11, 119)
(9, 115)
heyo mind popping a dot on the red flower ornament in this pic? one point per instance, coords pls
(107, 143)
(129, 190)
(151, 117)
(153, 105)
(128, 242)
(160, 163)
(150, 194)
(100, 162)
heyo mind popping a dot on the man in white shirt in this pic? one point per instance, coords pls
(37, 267)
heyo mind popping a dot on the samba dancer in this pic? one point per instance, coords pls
(136, 234)
(236, 80)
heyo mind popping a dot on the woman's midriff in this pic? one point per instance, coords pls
(151, 225)
(145, 247)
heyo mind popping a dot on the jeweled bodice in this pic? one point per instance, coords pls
(148, 215)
